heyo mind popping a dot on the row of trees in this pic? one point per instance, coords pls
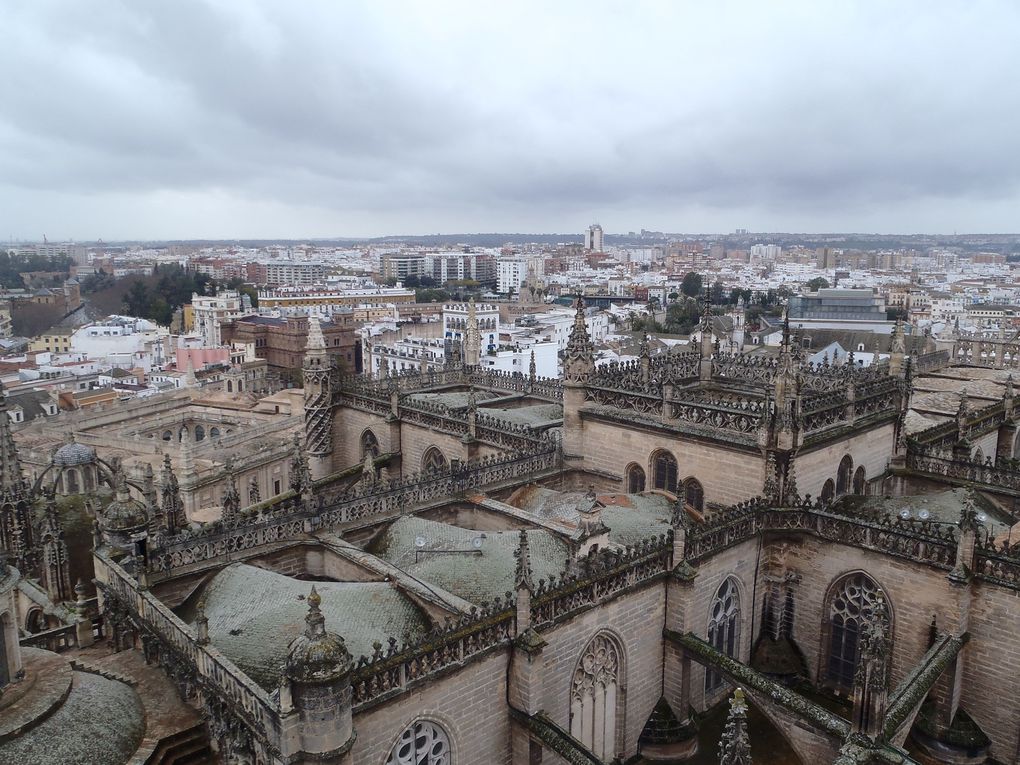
(12, 266)
(157, 297)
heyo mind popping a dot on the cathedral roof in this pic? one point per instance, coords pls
(256, 618)
(475, 574)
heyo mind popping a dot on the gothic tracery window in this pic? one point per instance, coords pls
(860, 481)
(369, 444)
(846, 467)
(422, 743)
(828, 490)
(851, 603)
(723, 628)
(694, 494)
(635, 479)
(664, 471)
(433, 460)
(594, 697)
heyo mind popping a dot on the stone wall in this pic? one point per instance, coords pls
(470, 705)
(873, 449)
(727, 475)
(635, 621)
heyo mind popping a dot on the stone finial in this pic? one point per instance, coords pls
(231, 499)
(254, 495)
(532, 368)
(523, 577)
(1007, 394)
(735, 746)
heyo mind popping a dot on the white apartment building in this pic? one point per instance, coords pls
(511, 273)
(455, 316)
(123, 342)
(594, 238)
(209, 312)
(766, 252)
(303, 273)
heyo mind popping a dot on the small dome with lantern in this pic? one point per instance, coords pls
(317, 655)
(74, 453)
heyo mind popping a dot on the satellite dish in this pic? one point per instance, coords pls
(419, 542)
(982, 517)
(904, 514)
(477, 543)
(924, 515)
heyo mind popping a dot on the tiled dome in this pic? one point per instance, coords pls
(74, 454)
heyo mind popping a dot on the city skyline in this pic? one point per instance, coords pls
(230, 120)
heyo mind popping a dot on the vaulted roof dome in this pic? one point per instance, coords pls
(74, 454)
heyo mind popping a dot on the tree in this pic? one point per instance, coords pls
(673, 297)
(818, 283)
(717, 293)
(691, 285)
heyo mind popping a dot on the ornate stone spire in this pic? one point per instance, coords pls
(55, 567)
(315, 346)
(735, 746)
(770, 487)
(579, 360)
(368, 468)
(12, 480)
(300, 477)
(171, 504)
(231, 498)
(533, 374)
(254, 495)
(472, 337)
(522, 577)
(897, 350)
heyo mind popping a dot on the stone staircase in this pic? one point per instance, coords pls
(188, 747)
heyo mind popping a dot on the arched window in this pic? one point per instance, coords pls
(594, 696)
(422, 743)
(168, 436)
(852, 601)
(694, 494)
(723, 628)
(199, 433)
(369, 444)
(846, 469)
(828, 490)
(214, 432)
(635, 479)
(230, 386)
(860, 481)
(73, 486)
(664, 471)
(979, 455)
(433, 460)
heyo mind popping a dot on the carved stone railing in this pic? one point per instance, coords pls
(987, 473)
(62, 638)
(607, 576)
(209, 668)
(334, 507)
(923, 541)
(393, 669)
(930, 362)
(943, 435)
(362, 387)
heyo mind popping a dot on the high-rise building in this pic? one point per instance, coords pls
(593, 238)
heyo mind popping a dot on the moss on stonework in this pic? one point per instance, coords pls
(963, 732)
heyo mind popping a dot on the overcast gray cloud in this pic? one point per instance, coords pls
(259, 118)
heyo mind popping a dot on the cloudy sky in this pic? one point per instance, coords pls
(264, 118)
